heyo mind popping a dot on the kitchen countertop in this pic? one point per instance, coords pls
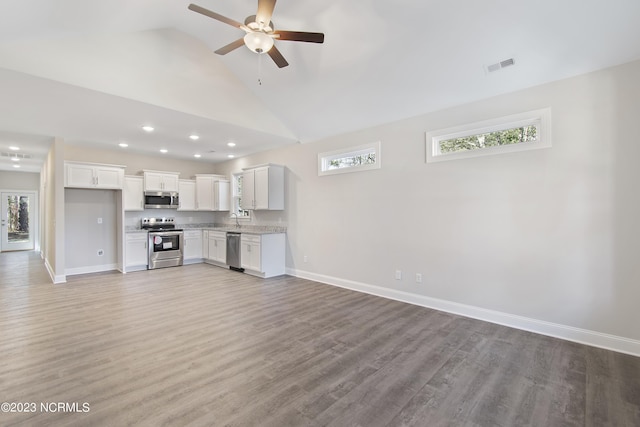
(247, 229)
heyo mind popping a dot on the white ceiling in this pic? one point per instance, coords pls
(95, 71)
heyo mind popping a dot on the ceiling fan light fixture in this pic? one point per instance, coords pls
(258, 42)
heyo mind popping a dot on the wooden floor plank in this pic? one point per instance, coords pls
(201, 345)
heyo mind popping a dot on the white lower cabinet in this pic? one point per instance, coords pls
(250, 252)
(263, 255)
(217, 247)
(205, 244)
(136, 251)
(193, 246)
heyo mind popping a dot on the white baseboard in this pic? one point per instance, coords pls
(569, 333)
(90, 269)
(61, 278)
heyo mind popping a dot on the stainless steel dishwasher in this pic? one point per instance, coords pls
(233, 251)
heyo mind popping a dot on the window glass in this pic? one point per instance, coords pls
(354, 159)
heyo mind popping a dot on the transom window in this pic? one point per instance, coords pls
(354, 159)
(519, 132)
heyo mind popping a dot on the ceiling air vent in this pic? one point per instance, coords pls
(16, 155)
(500, 65)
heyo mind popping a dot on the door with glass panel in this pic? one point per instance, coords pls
(17, 221)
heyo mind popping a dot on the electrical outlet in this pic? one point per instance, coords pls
(306, 259)
(398, 275)
(99, 220)
(418, 277)
(100, 252)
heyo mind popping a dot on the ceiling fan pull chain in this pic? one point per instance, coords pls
(259, 69)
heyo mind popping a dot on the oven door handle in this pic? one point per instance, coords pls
(165, 233)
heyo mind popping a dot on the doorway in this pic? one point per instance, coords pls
(19, 211)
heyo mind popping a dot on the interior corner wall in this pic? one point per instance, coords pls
(549, 234)
(52, 187)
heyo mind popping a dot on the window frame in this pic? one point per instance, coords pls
(328, 156)
(235, 199)
(540, 118)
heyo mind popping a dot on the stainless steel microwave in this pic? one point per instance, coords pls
(161, 200)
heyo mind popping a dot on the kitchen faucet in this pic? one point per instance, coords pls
(236, 215)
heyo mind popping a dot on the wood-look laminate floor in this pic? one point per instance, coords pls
(204, 346)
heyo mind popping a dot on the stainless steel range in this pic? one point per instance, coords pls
(166, 242)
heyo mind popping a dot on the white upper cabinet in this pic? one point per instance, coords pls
(212, 192)
(187, 194)
(263, 188)
(93, 175)
(133, 193)
(221, 195)
(160, 181)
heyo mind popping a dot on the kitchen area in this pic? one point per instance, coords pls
(156, 219)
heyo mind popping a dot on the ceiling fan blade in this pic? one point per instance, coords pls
(231, 46)
(300, 36)
(217, 16)
(265, 10)
(277, 57)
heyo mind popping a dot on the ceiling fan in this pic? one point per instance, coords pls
(260, 32)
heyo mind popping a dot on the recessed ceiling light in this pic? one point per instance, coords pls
(16, 166)
(231, 144)
(147, 128)
(194, 137)
(15, 159)
(164, 150)
(14, 148)
(231, 156)
(123, 145)
(197, 156)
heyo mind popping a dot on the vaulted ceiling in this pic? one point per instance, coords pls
(93, 72)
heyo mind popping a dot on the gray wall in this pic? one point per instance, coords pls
(547, 234)
(83, 235)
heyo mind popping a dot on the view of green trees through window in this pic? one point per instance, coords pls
(350, 161)
(18, 218)
(490, 139)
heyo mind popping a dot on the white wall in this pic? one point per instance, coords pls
(132, 218)
(52, 209)
(10, 180)
(84, 236)
(550, 235)
(136, 162)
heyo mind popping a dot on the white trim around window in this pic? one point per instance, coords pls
(541, 119)
(350, 159)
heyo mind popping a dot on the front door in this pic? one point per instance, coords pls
(18, 212)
